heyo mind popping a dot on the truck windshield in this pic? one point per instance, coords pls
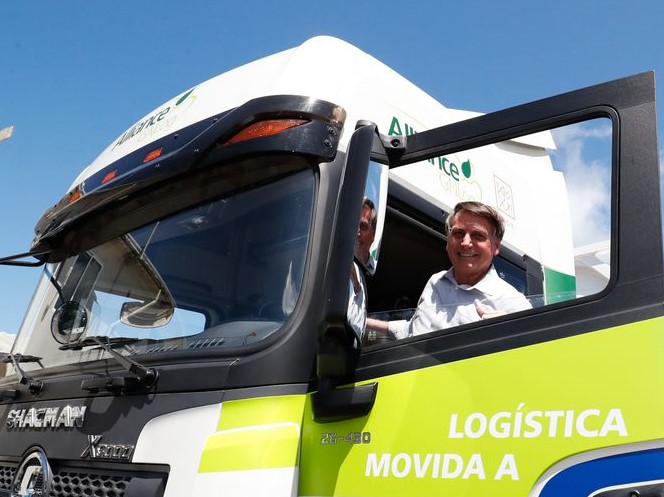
(224, 274)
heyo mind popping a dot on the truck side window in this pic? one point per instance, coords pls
(551, 188)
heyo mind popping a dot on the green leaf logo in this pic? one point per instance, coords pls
(184, 97)
(466, 169)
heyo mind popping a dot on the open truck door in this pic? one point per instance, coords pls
(564, 398)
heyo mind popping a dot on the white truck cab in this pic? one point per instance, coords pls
(190, 333)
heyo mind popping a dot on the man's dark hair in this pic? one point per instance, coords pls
(374, 215)
(482, 210)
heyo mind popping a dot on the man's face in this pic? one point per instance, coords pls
(471, 247)
(365, 235)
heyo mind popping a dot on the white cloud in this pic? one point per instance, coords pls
(584, 155)
(6, 341)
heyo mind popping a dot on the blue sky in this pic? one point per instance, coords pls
(76, 74)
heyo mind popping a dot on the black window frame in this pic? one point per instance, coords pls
(636, 287)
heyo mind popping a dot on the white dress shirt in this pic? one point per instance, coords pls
(444, 303)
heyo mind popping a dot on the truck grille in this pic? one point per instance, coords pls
(70, 484)
(85, 482)
(6, 476)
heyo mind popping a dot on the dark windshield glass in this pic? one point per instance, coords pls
(224, 274)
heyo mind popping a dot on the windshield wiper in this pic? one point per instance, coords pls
(33, 385)
(5, 357)
(146, 376)
(99, 341)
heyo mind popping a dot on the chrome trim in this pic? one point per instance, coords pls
(33, 476)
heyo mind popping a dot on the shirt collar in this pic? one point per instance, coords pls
(486, 285)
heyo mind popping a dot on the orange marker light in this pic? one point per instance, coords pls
(153, 155)
(109, 177)
(264, 128)
(75, 195)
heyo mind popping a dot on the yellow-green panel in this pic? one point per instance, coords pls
(492, 425)
(262, 410)
(255, 434)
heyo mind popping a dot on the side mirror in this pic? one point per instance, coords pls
(69, 322)
(372, 217)
(146, 314)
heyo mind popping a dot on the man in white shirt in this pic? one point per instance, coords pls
(471, 290)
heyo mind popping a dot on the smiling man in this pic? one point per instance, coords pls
(471, 289)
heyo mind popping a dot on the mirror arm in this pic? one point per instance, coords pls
(15, 260)
(337, 356)
(339, 345)
(388, 149)
(337, 404)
